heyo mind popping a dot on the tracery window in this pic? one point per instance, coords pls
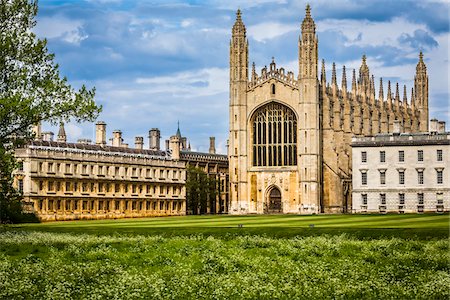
(274, 136)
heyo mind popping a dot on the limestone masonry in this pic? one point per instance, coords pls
(290, 136)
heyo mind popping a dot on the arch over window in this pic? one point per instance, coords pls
(274, 136)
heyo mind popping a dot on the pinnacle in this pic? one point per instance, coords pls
(308, 10)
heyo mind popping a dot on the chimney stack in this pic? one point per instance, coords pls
(167, 144)
(441, 127)
(47, 136)
(100, 133)
(117, 138)
(212, 145)
(154, 136)
(139, 142)
(433, 126)
(37, 131)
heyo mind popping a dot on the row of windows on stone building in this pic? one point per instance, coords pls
(419, 201)
(401, 176)
(401, 156)
(104, 170)
(106, 187)
(108, 206)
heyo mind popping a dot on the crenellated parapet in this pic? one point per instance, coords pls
(272, 73)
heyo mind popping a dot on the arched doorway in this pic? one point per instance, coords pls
(274, 201)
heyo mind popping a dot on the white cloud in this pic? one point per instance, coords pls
(62, 28)
(268, 30)
(198, 82)
(367, 33)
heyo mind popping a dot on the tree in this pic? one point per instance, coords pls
(31, 90)
(200, 191)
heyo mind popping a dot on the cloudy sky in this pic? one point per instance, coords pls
(155, 63)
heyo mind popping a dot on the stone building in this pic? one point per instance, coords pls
(213, 164)
(402, 172)
(69, 181)
(290, 136)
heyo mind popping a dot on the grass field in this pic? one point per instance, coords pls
(210, 257)
(360, 226)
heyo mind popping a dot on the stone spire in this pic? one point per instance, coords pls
(344, 80)
(421, 93)
(413, 106)
(62, 138)
(405, 97)
(354, 83)
(380, 93)
(389, 96)
(178, 134)
(397, 97)
(333, 75)
(323, 74)
(253, 72)
(308, 48)
(364, 75)
(239, 27)
(308, 25)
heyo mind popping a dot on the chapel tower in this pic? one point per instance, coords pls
(309, 135)
(238, 100)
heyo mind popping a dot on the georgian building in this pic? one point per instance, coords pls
(67, 181)
(402, 172)
(290, 136)
(70, 181)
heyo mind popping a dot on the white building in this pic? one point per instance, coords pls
(403, 173)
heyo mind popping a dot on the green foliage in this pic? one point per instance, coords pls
(31, 87)
(201, 191)
(37, 265)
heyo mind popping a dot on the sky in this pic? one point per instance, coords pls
(157, 63)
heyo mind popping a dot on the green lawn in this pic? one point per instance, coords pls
(407, 225)
(210, 257)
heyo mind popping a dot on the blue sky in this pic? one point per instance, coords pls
(154, 63)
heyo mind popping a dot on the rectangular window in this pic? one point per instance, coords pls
(420, 198)
(440, 178)
(419, 155)
(20, 167)
(439, 155)
(20, 185)
(116, 188)
(364, 157)
(401, 198)
(50, 186)
(420, 176)
(67, 186)
(401, 156)
(383, 199)
(364, 178)
(382, 177)
(68, 168)
(382, 156)
(440, 198)
(364, 199)
(401, 177)
(50, 167)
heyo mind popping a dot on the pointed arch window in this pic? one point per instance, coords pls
(274, 136)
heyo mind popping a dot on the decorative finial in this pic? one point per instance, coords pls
(381, 92)
(344, 79)
(354, 80)
(323, 75)
(308, 10)
(421, 56)
(238, 14)
(405, 97)
(333, 75)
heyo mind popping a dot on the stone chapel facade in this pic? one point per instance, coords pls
(290, 137)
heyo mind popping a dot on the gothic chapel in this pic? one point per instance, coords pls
(289, 142)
